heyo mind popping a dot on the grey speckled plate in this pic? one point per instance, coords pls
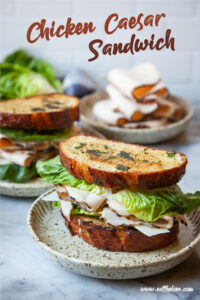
(141, 136)
(47, 228)
(34, 187)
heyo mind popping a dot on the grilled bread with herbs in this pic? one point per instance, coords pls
(41, 112)
(117, 238)
(120, 165)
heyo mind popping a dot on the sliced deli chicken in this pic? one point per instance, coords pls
(107, 207)
(91, 201)
(24, 153)
(66, 208)
(146, 124)
(137, 82)
(138, 98)
(129, 108)
(107, 112)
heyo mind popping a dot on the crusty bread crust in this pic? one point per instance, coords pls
(116, 238)
(51, 113)
(103, 174)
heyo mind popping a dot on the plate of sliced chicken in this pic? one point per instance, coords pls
(136, 107)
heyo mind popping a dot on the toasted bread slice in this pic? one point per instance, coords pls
(114, 164)
(42, 112)
(117, 238)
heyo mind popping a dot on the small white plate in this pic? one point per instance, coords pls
(34, 187)
(47, 228)
(141, 136)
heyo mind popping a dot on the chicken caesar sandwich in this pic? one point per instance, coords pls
(118, 196)
(31, 129)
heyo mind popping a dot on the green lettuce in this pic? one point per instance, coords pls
(19, 82)
(152, 205)
(80, 211)
(54, 172)
(77, 210)
(147, 205)
(22, 75)
(17, 173)
(56, 204)
(20, 57)
(28, 135)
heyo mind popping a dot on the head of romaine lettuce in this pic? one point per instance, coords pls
(36, 65)
(147, 205)
(22, 75)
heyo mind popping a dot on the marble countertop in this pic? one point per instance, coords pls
(27, 274)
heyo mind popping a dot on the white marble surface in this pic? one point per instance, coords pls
(27, 274)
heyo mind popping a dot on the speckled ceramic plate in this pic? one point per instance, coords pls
(143, 136)
(34, 187)
(47, 228)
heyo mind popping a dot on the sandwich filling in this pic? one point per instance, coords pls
(106, 207)
(21, 149)
(150, 211)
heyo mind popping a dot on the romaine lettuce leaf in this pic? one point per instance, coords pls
(146, 205)
(54, 172)
(77, 210)
(152, 205)
(17, 173)
(56, 204)
(28, 135)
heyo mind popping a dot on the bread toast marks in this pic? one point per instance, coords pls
(117, 238)
(112, 163)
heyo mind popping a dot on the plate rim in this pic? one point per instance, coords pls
(92, 123)
(4, 183)
(185, 251)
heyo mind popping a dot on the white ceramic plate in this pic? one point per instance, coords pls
(34, 187)
(47, 228)
(143, 136)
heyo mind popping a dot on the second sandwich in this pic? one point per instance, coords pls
(31, 129)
